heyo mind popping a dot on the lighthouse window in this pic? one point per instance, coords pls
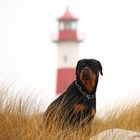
(74, 26)
(67, 25)
(65, 58)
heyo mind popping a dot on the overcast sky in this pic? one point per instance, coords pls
(111, 31)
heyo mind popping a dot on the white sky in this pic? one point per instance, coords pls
(111, 29)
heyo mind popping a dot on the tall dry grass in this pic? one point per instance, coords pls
(19, 121)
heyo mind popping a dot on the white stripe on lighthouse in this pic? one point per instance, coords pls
(67, 54)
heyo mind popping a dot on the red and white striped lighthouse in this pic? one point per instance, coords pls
(67, 42)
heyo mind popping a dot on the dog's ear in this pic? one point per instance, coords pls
(99, 67)
(77, 71)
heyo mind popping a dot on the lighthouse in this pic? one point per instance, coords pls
(67, 42)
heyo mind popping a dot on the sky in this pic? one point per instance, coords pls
(111, 32)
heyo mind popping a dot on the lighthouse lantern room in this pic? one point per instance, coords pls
(67, 42)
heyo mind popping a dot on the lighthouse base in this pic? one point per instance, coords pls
(65, 76)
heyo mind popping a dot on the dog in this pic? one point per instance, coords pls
(76, 107)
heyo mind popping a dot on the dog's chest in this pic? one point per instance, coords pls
(78, 103)
(84, 106)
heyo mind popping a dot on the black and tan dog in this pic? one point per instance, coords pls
(77, 105)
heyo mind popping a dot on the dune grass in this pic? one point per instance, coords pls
(17, 124)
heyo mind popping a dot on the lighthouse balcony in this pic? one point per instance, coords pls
(69, 35)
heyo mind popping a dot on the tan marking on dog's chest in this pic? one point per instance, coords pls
(79, 107)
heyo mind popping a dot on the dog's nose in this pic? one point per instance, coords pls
(85, 70)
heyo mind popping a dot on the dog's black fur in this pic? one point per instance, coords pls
(73, 108)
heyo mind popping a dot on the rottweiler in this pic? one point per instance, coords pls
(76, 107)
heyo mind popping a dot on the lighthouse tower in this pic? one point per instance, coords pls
(67, 41)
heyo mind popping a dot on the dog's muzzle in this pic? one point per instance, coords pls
(85, 75)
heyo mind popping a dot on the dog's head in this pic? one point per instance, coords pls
(87, 72)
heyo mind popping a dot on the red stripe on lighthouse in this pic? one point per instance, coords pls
(68, 34)
(65, 76)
